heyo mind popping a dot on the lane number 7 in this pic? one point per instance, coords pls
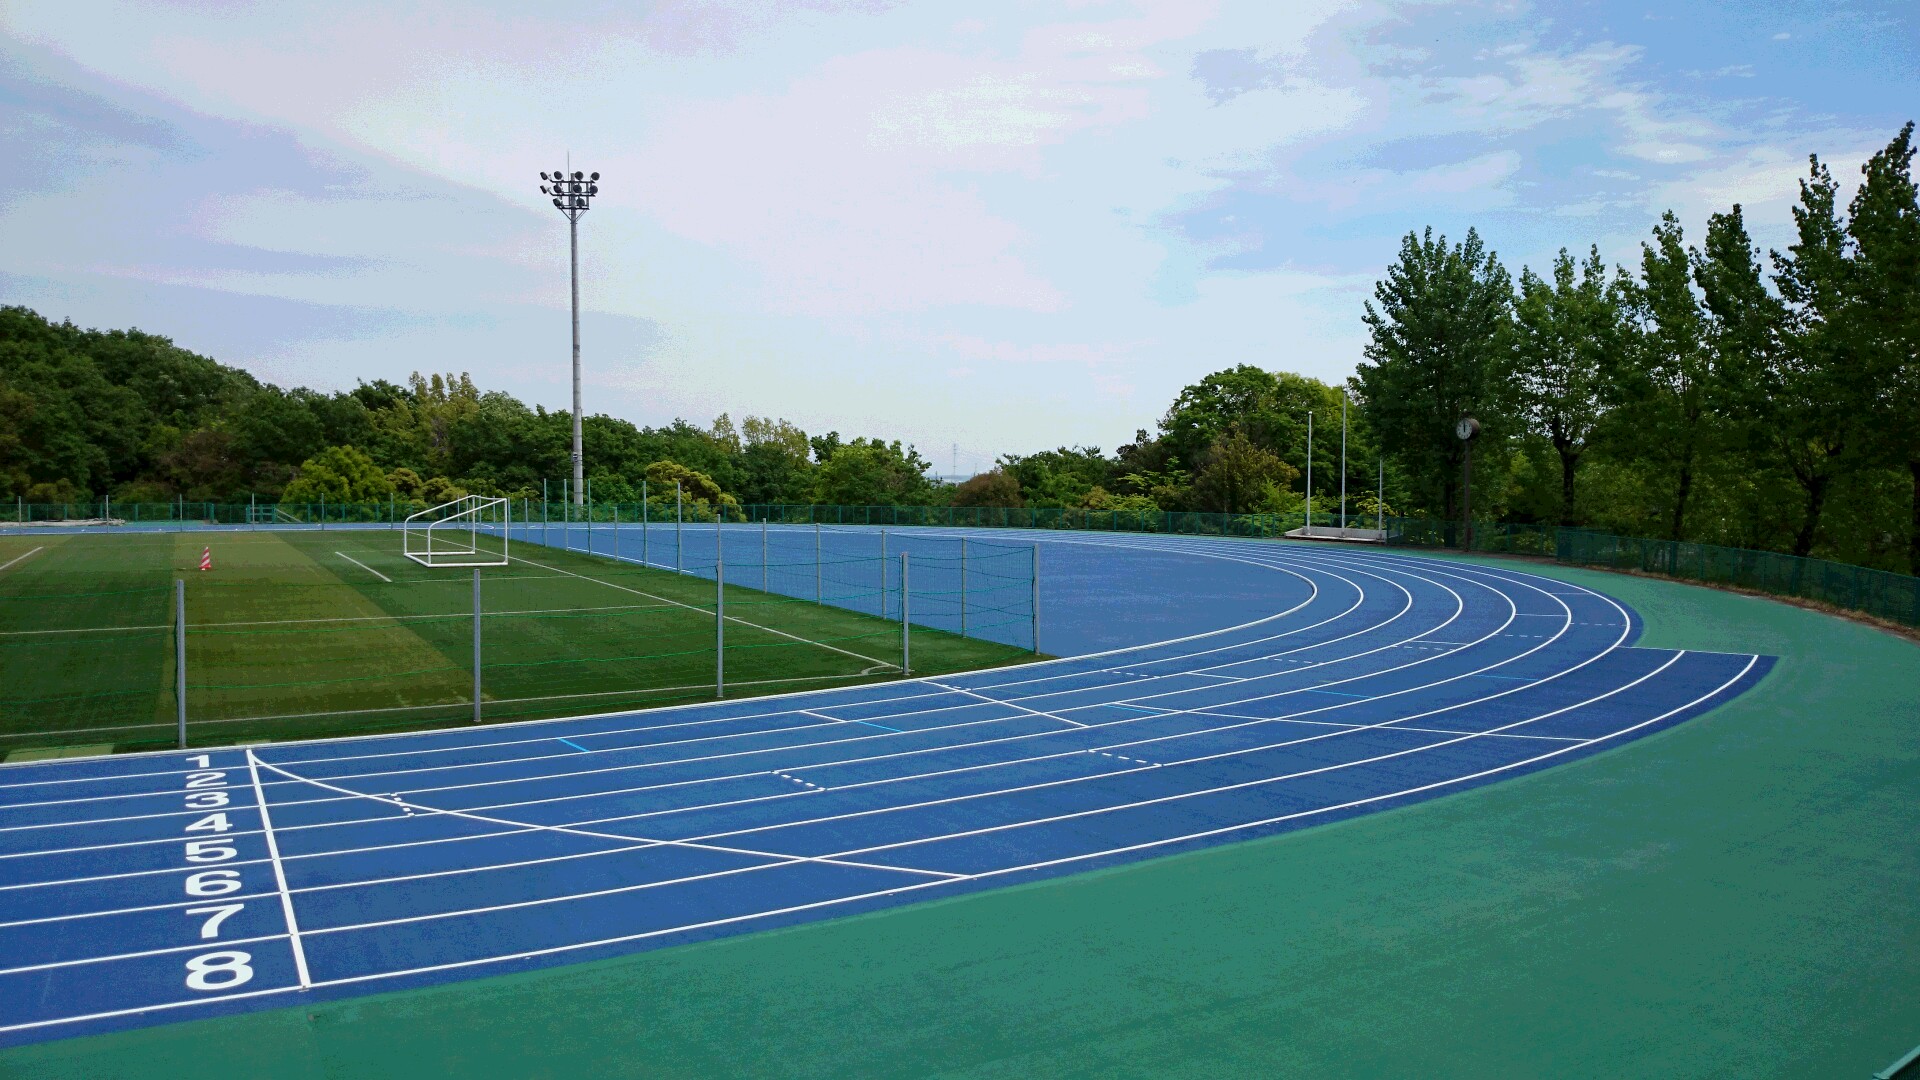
(220, 912)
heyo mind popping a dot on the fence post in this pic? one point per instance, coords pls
(963, 586)
(476, 644)
(906, 627)
(1036, 598)
(719, 616)
(180, 656)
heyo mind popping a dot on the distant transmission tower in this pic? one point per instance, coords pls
(571, 192)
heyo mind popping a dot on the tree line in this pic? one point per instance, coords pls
(1716, 395)
(1713, 395)
(90, 414)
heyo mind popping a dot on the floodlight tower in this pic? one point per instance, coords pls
(571, 193)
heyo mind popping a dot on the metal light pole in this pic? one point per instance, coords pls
(571, 193)
(1466, 429)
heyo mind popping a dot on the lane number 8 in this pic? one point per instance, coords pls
(219, 970)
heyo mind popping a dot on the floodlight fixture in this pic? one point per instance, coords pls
(572, 197)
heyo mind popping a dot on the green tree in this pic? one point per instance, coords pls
(775, 464)
(996, 488)
(1238, 477)
(339, 474)
(1439, 348)
(1568, 334)
(868, 472)
(1816, 395)
(1060, 477)
(1669, 379)
(696, 488)
(1884, 224)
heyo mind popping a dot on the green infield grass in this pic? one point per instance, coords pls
(307, 634)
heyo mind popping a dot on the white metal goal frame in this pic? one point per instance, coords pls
(449, 534)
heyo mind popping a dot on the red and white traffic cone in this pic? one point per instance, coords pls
(206, 558)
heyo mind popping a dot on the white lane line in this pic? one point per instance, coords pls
(365, 567)
(21, 558)
(493, 743)
(1459, 607)
(1252, 722)
(105, 958)
(1000, 701)
(1000, 872)
(649, 815)
(416, 771)
(1751, 660)
(279, 874)
(1457, 598)
(635, 841)
(643, 692)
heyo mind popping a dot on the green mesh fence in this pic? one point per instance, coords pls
(296, 633)
(1894, 597)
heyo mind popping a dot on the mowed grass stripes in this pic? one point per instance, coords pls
(309, 634)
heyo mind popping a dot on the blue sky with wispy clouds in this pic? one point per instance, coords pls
(999, 225)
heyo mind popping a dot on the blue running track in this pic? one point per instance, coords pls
(1218, 690)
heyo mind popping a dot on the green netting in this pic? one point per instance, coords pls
(1894, 597)
(300, 634)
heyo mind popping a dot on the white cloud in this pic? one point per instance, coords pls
(870, 215)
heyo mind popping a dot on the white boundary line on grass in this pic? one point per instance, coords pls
(21, 558)
(365, 567)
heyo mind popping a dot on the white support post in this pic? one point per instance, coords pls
(819, 579)
(1036, 598)
(644, 554)
(719, 618)
(1381, 510)
(963, 586)
(763, 554)
(476, 644)
(883, 573)
(1309, 472)
(616, 528)
(679, 565)
(180, 656)
(906, 626)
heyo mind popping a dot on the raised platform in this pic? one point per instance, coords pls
(1350, 536)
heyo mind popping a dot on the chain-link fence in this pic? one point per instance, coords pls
(294, 633)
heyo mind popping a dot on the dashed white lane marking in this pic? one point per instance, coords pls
(395, 799)
(803, 783)
(1123, 757)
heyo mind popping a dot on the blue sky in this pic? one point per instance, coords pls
(1004, 226)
